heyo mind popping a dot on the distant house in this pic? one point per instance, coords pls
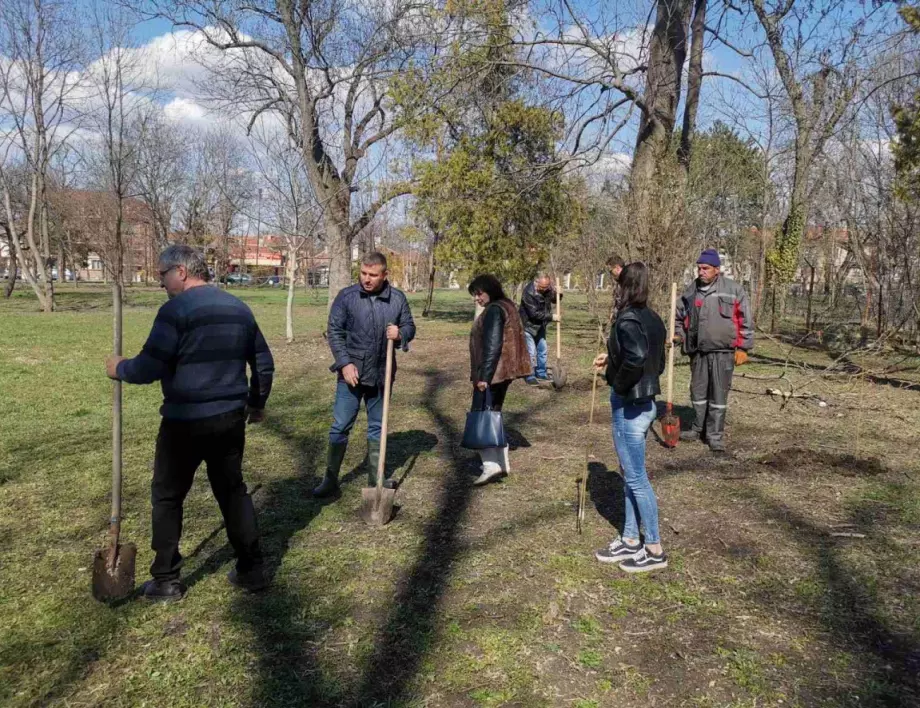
(87, 221)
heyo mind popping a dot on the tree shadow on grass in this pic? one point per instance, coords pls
(403, 450)
(889, 665)
(410, 628)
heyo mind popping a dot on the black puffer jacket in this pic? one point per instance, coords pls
(635, 354)
(357, 330)
(537, 309)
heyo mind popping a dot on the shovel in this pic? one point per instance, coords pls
(583, 482)
(377, 502)
(113, 566)
(559, 373)
(670, 423)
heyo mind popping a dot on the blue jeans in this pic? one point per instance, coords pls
(345, 411)
(536, 348)
(630, 424)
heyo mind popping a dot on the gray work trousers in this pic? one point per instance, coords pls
(710, 382)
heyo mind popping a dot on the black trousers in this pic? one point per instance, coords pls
(181, 447)
(498, 396)
(710, 382)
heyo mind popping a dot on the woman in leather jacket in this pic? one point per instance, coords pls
(634, 361)
(498, 355)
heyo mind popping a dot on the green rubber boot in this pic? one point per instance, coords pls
(373, 459)
(330, 483)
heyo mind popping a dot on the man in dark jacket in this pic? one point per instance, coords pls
(200, 344)
(363, 317)
(615, 265)
(715, 327)
(536, 312)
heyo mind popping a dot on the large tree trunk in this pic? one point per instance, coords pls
(667, 53)
(339, 240)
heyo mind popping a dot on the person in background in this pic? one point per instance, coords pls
(634, 362)
(615, 265)
(198, 349)
(716, 330)
(498, 355)
(362, 318)
(536, 312)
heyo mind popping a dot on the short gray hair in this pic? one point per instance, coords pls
(180, 254)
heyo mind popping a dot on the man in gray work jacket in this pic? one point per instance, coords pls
(363, 317)
(715, 327)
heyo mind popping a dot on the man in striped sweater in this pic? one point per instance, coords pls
(198, 349)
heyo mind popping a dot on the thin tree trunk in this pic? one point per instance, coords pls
(426, 311)
(811, 290)
(291, 267)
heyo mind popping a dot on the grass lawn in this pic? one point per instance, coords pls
(471, 597)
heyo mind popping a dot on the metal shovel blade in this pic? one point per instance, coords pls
(114, 581)
(559, 375)
(670, 430)
(377, 505)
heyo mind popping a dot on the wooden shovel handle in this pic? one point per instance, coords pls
(558, 319)
(381, 463)
(671, 344)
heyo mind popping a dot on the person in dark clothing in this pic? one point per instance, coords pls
(363, 317)
(536, 312)
(615, 265)
(498, 355)
(200, 344)
(715, 326)
(634, 362)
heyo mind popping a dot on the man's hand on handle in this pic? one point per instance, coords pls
(600, 361)
(482, 385)
(111, 366)
(350, 374)
(741, 357)
(393, 332)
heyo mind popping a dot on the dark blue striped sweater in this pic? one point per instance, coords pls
(198, 348)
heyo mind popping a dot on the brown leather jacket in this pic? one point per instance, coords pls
(498, 351)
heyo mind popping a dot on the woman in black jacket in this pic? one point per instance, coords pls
(498, 355)
(634, 361)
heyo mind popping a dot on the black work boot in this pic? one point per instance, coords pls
(252, 580)
(373, 459)
(164, 590)
(690, 435)
(330, 483)
(717, 445)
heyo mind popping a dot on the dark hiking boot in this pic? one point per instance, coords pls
(717, 446)
(164, 590)
(532, 381)
(252, 580)
(689, 436)
(330, 483)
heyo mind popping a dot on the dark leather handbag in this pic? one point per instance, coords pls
(484, 428)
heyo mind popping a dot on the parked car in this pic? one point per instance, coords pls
(237, 279)
(68, 274)
(272, 281)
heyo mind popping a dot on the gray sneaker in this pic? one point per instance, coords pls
(644, 562)
(617, 552)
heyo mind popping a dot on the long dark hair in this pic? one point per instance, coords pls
(633, 286)
(487, 284)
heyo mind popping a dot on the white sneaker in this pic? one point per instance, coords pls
(490, 470)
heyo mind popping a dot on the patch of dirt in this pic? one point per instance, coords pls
(794, 461)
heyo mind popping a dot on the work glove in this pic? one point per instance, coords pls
(741, 357)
